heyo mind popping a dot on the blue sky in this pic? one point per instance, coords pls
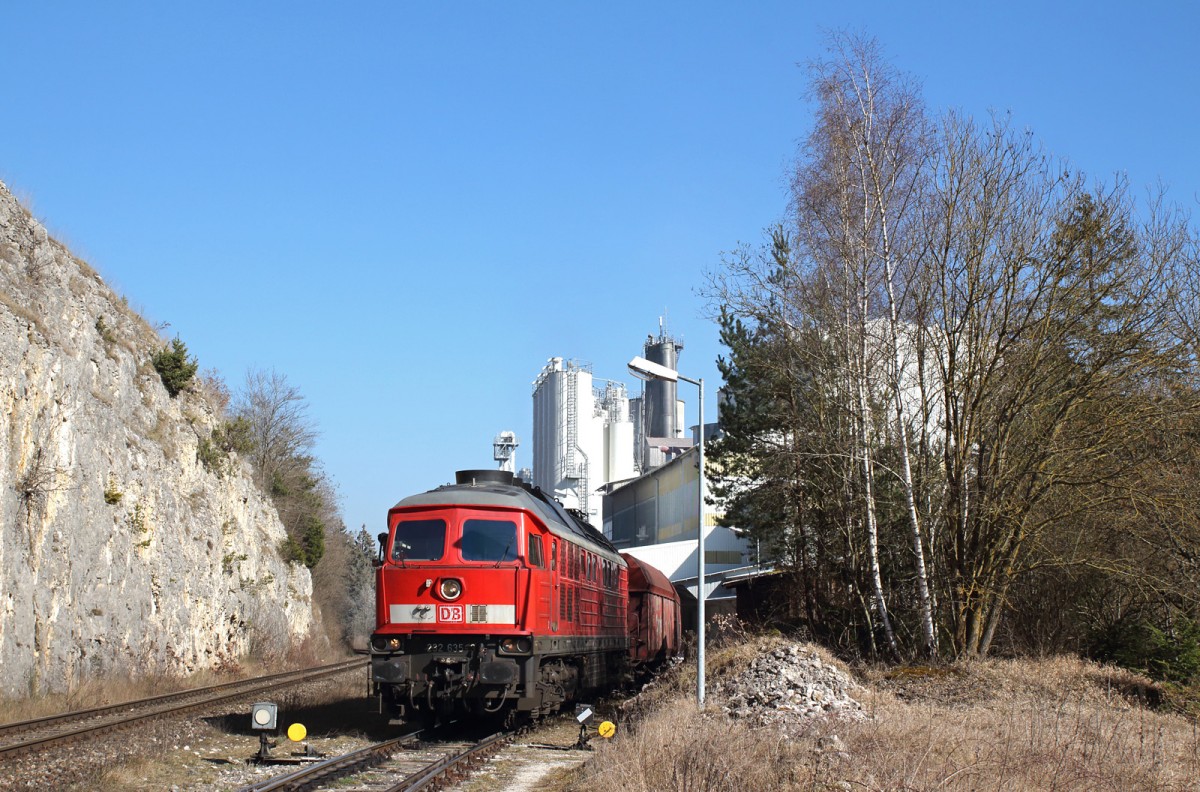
(407, 208)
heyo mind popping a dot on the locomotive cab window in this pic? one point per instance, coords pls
(419, 540)
(489, 540)
(535, 551)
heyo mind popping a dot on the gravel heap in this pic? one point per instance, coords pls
(789, 686)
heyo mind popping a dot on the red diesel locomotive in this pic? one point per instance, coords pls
(492, 598)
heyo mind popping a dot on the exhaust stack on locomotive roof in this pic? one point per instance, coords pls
(475, 478)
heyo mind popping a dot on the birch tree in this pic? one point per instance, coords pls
(872, 137)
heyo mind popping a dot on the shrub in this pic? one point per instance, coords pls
(1171, 654)
(291, 551)
(173, 365)
(234, 436)
(309, 549)
(313, 540)
(105, 331)
(210, 456)
(137, 520)
(112, 495)
(231, 436)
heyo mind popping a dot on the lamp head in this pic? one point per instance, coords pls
(647, 370)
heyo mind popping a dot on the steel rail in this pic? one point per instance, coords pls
(450, 768)
(108, 709)
(246, 687)
(427, 778)
(332, 768)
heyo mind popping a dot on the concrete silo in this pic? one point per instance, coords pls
(568, 458)
(582, 436)
(619, 460)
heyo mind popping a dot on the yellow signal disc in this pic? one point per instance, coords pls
(297, 732)
(607, 729)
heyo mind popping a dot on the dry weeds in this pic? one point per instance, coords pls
(1055, 724)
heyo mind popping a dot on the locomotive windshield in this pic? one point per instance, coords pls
(489, 540)
(419, 540)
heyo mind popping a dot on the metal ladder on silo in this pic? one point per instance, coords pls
(573, 468)
(572, 412)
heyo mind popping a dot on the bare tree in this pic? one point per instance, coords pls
(281, 430)
(1043, 302)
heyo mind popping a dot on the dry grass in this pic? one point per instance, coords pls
(200, 749)
(679, 748)
(1056, 724)
(114, 689)
(1018, 743)
(19, 310)
(100, 692)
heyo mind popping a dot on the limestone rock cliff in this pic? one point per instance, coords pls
(119, 549)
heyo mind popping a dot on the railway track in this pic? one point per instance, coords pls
(421, 761)
(397, 765)
(39, 734)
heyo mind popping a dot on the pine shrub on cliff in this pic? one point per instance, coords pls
(172, 364)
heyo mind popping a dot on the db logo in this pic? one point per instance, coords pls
(450, 613)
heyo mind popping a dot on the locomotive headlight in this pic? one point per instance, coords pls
(450, 589)
(515, 646)
(383, 643)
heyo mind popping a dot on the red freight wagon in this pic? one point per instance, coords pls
(654, 629)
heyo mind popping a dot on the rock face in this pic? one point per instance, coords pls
(119, 549)
(788, 686)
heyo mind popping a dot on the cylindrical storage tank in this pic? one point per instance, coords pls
(638, 417)
(661, 394)
(549, 401)
(620, 462)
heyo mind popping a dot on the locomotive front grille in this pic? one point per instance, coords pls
(491, 614)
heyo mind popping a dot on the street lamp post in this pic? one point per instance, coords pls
(646, 369)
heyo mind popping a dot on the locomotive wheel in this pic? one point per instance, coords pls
(517, 720)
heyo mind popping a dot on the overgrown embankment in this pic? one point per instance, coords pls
(1058, 723)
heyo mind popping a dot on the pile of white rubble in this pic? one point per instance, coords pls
(788, 687)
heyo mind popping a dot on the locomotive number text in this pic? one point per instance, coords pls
(453, 648)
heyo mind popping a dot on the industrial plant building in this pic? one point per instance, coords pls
(630, 465)
(583, 436)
